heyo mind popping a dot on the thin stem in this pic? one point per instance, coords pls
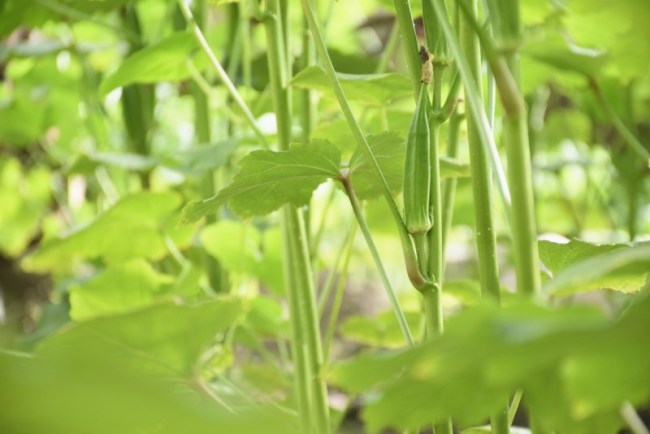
(514, 406)
(634, 422)
(221, 73)
(298, 352)
(338, 297)
(632, 141)
(449, 187)
(397, 309)
(409, 255)
(329, 282)
(307, 344)
(389, 49)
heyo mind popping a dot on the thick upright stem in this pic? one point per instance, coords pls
(307, 346)
(481, 175)
(515, 135)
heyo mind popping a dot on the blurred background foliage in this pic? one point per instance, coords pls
(107, 129)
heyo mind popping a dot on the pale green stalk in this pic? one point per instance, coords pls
(307, 348)
(365, 230)
(338, 297)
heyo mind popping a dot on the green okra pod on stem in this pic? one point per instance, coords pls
(417, 170)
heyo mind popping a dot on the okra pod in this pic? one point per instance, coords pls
(417, 167)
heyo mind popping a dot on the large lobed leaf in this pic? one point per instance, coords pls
(575, 366)
(267, 180)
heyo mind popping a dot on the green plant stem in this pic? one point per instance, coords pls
(365, 230)
(307, 348)
(474, 100)
(620, 126)
(515, 133)
(216, 274)
(318, 235)
(235, 41)
(415, 276)
(307, 318)
(338, 297)
(298, 346)
(409, 41)
(481, 177)
(389, 49)
(482, 193)
(449, 186)
(221, 73)
(634, 422)
(514, 406)
(329, 282)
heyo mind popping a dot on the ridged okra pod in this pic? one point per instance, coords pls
(417, 170)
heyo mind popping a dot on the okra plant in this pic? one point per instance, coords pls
(325, 217)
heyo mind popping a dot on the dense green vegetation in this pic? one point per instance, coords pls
(324, 216)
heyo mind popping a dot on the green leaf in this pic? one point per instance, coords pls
(164, 339)
(489, 352)
(117, 289)
(389, 149)
(579, 266)
(267, 180)
(87, 163)
(133, 228)
(242, 249)
(200, 159)
(75, 397)
(371, 89)
(164, 61)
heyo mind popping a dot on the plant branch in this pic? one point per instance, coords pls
(632, 141)
(365, 230)
(634, 422)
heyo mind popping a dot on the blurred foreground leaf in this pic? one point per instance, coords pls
(575, 366)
